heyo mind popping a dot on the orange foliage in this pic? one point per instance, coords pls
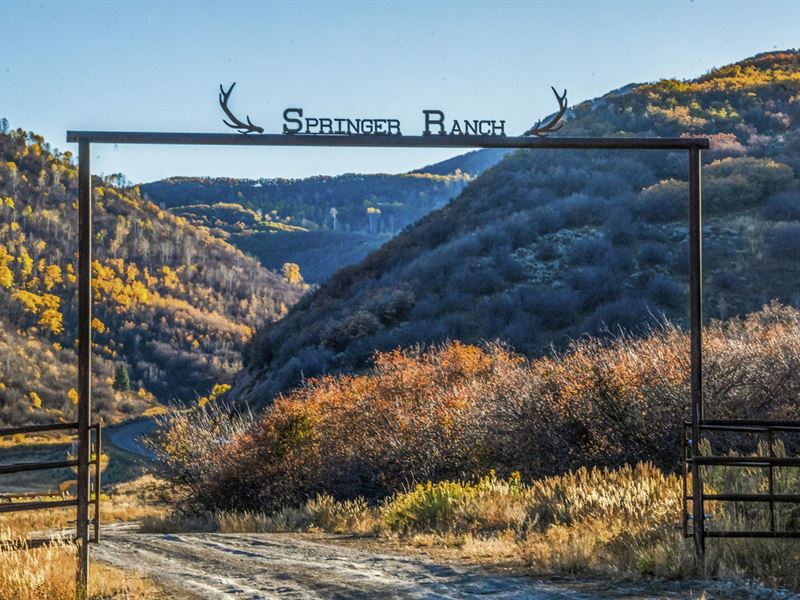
(457, 410)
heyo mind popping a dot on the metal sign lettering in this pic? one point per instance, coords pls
(295, 122)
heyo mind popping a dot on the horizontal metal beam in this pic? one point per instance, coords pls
(41, 466)
(789, 498)
(20, 506)
(753, 534)
(746, 461)
(387, 141)
(749, 425)
(37, 428)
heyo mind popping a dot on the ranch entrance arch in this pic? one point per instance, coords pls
(694, 514)
(85, 139)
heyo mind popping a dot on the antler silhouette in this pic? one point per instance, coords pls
(237, 124)
(553, 124)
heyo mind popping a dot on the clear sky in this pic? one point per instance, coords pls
(157, 65)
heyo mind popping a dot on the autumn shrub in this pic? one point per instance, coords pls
(455, 411)
(187, 444)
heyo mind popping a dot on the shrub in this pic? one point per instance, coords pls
(581, 210)
(663, 202)
(454, 410)
(490, 504)
(589, 251)
(739, 183)
(783, 206)
(783, 241)
(665, 291)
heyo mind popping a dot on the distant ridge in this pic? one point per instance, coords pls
(543, 247)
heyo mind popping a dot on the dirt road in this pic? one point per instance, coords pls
(128, 436)
(217, 566)
(254, 566)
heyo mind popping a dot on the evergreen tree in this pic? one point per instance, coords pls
(122, 381)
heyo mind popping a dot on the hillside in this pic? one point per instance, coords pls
(547, 245)
(174, 304)
(321, 223)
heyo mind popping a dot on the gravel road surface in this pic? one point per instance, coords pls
(253, 566)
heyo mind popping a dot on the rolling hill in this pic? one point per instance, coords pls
(321, 223)
(547, 245)
(174, 304)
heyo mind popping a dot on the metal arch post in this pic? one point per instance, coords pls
(84, 361)
(696, 341)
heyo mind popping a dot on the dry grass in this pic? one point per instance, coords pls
(620, 523)
(49, 572)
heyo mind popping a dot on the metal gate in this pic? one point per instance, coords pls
(31, 500)
(698, 455)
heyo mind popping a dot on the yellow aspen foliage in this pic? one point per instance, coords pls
(2, 386)
(36, 401)
(169, 278)
(98, 325)
(56, 346)
(52, 319)
(72, 394)
(131, 272)
(291, 273)
(9, 202)
(218, 390)
(139, 292)
(26, 262)
(6, 275)
(71, 273)
(30, 301)
(40, 246)
(51, 276)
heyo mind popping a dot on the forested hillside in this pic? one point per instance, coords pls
(174, 304)
(321, 223)
(548, 245)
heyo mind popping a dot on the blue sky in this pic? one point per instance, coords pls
(157, 65)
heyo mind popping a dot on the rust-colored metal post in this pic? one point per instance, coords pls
(696, 341)
(98, 454)
(84, 360)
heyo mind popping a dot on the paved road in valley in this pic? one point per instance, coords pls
(127, 436)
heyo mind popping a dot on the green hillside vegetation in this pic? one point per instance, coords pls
(321, 223)
(548, 245)
(174, 304)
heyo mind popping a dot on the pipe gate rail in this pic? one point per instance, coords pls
(81, 503)
(694, 460)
